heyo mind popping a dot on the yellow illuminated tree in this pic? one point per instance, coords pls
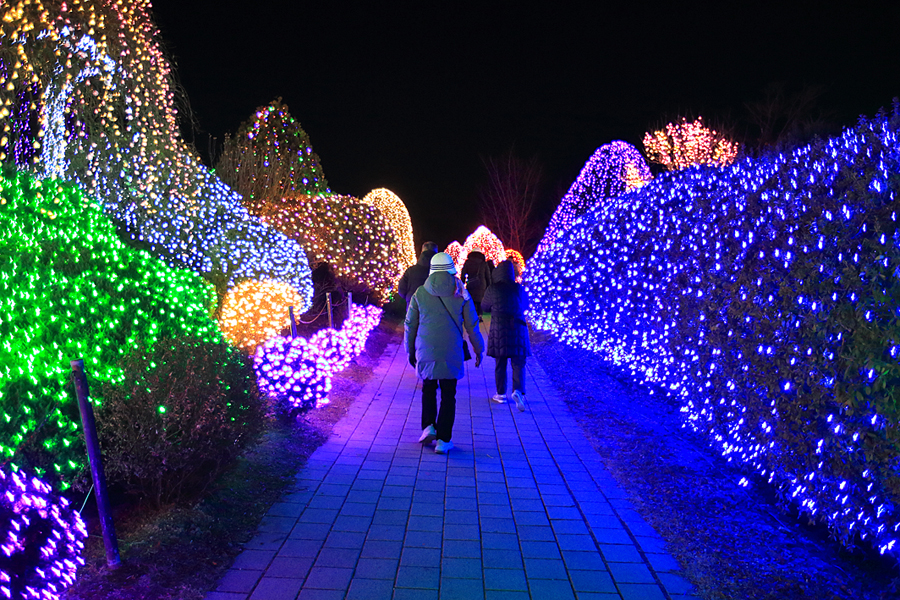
(681, 145)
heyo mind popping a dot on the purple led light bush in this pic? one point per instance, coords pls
(765, 298)
(612, 170)
(42, 539)
(297, 372)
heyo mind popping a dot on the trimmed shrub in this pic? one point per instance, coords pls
(764, 297)
(182, 415)
(69, 288)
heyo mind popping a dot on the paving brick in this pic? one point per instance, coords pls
(310, 531)
(370, 589)
(328, 578)
(318, 594)
(419, 577)
(505, 579)
(301, 548)
(505, 595)
(637, 591)
(290, 567)
(461, 589)
(541, 568)
(276, 588)
(462, 548)
(551, 590)
(345, 539)
(414, 594)
(337, 557)
(620, 553)
(376, 568)
(420, 557)
(592, 581)
(461, 568)
(381, 549)
(236, 580)
(253, 559)
(631, 573)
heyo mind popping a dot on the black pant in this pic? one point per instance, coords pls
(442, 422)
(518, 373)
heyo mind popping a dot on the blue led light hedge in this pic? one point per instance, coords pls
(765, 297)
(612, 170)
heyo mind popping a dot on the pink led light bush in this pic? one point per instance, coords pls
(41, 539)
(298, 372)
(764, 298)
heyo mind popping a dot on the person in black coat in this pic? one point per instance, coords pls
(508, 340)
(476, 273)
(416, 275)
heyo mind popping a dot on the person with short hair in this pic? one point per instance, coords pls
(416, 275)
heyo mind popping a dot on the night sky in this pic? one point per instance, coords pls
(411, 96)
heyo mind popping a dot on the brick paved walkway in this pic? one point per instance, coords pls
(522, 508)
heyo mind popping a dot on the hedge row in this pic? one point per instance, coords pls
(765, 297)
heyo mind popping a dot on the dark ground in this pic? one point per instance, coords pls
(732, 542)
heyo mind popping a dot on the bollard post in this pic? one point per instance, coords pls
(349, 305)
(293, 324)
(110, 542)
(330, 315)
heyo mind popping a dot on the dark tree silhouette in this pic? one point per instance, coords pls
(509, 197)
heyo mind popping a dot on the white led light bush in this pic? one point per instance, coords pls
(86, 96)
(764, 296)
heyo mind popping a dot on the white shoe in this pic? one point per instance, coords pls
(443, 447)
(519, 397)
(499, 399)
(428, 435)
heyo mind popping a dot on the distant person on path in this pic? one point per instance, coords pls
(507, 302)
(416, 275)
(476, 272)
(433, 337)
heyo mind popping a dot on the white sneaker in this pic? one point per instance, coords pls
(519, 397)
(499, 399)
(428, 435)
(443, 447)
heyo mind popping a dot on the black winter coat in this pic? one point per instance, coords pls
(477, 275)
(507, 302)
(415, 276)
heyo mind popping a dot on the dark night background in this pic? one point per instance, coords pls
(411, 96)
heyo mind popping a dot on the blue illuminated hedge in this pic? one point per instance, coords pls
(764, 297)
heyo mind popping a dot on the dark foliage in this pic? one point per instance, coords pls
(183, 414)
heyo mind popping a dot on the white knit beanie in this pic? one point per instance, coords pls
(442, 262)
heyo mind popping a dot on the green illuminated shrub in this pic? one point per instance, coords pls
(184, 412)
(69, 288)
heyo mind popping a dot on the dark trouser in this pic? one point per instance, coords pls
(442, 422)
(518, 373)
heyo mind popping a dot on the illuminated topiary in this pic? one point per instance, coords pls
(85, 96)
(42, 539)
(254, 311)
(764, 297)
(298, 372)
(481, 240)
(681, 145)
(614, 169)
(352, 236)
(517, 260)
(269, 157)
(69, 288)
(394, 212)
